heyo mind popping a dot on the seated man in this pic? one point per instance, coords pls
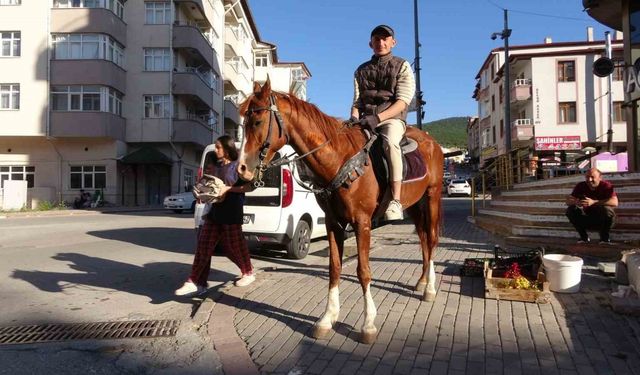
(591, 205)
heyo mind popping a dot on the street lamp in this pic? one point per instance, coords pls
(504, 35)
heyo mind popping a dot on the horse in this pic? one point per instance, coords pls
(325, 144)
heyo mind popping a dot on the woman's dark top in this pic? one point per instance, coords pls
(230, 210)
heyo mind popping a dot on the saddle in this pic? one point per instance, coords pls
(413, 166)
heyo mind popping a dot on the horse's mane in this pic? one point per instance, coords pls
(326, 124)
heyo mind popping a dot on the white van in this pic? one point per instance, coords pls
(282, 213)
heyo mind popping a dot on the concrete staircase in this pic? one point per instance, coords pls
(531, 214)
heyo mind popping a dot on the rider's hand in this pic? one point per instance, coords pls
(369, 122)
(353, 120)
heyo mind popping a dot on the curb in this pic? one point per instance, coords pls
(53, 213)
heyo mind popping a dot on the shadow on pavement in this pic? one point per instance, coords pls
(175, 240)
(157, 281)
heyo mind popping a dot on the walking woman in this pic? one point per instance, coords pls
(223, 223)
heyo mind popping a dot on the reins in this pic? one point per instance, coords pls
(345, 174)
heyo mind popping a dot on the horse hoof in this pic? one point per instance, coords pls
(368, 337)
(429, 296)
(420, 287)
(320, 332)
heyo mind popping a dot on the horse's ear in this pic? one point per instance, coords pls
(266, 88)
(256, 87)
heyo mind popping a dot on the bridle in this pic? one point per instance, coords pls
(264, 148)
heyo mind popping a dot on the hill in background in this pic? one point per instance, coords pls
(449, 132)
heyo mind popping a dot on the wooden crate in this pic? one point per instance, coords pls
(494, 290)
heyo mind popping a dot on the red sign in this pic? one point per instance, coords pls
(559, 143)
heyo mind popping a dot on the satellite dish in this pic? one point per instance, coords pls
(603, 67)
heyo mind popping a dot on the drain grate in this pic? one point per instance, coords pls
(83, 331)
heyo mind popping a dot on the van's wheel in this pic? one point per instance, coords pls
(177, 211)
(298, 247)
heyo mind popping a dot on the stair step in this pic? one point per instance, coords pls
(511, 205)
(615, 178)
(569, 246)
(563, 192)
(630, 221)
(620, 235)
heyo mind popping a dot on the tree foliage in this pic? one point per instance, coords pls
(449, 132)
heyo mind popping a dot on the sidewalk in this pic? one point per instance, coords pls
(461, 332)
(85, 211)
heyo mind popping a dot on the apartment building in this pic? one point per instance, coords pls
(121, 96)
(558, 107)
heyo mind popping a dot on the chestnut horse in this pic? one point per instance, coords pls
(273, 119)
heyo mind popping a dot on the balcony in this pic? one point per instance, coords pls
(191, 38)
(237, 79)
(231, 115)
(520, 90)
(522, 130)
(234, 46)
(483, 93)
(194, 85)
(88, 20)
(87, 125)
(88, 72)
(192, 131)
(198, 9)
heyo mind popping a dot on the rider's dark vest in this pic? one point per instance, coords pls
(377, 80)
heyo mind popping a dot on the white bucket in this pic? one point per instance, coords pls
(563, 272)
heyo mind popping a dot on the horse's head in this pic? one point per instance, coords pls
(264, 131)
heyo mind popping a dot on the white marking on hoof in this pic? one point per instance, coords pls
(369, 330)
(325, 324)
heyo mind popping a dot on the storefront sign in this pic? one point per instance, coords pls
(632, 80)
(560, 143)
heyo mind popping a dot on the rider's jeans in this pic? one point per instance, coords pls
(392, 131)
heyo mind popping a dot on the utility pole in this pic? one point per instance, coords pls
(507, 90)
(419, 102)
(607, 36)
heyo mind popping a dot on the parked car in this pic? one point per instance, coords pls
(459, 186)
(180, 202)
(282, 214)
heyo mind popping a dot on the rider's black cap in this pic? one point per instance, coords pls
(382, 30)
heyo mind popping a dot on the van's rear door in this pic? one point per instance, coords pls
(262, 207)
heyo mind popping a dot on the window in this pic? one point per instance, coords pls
(501, 94)
(115, 102)
(156, 106)
(619, 112)
(116, 6)
(18, 173)
(501, 128)
(567, 112)
(493, 134)
(157, 59)
(618, 70)
(76, 98)
(297, 75)
(215, 81)
(262, 59)
(86, 98)
(157, 13)
(87, 46)
(9, 43)
(485, 138)
(9, 96)
(566, 71)
(493, 103)
(188, 178)
(10, 2)
(88, 177)
(214, 120)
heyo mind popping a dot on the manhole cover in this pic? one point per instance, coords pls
(83, 331)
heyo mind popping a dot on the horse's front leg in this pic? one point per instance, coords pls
(335, 235)
(363, 239)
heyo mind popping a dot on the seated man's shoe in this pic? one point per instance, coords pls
(394, 211)
(584, 240)
(245, 280)
(606, 242)
(190, 289)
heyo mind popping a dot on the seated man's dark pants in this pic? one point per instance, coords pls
(600, 218)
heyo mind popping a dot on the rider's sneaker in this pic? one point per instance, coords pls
(394, 211)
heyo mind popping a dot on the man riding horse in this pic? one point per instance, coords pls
(383, 88)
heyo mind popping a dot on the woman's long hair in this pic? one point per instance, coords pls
(229, 146)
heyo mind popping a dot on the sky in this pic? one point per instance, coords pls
(331, 37)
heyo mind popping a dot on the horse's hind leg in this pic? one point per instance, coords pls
(324, 325)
